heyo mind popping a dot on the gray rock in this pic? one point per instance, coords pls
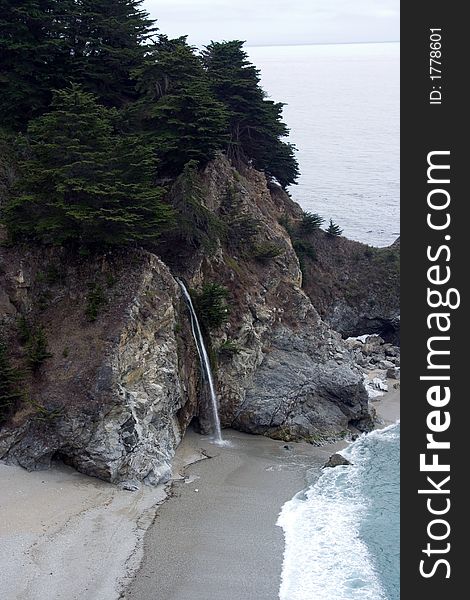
(336, 460)
(393, 373)
(385, 364)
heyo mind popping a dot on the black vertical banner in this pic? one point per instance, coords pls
(435, 247)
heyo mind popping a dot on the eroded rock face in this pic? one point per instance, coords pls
(124, 424)
(118, 393)
(294, 377)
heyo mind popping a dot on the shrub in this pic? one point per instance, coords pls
(24, 330)
(228, 349)
(36, 349)
(9, 379)
(211, 305)
(333, 229)
(95, 301)
(242, 230)
(311, 222)
(266, 251)
(304, 248)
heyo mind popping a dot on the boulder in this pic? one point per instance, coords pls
(336, 460)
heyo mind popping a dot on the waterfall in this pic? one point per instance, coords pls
(204, 359)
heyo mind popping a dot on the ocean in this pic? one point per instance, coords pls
(342, 108)
(342, 534)
(343, 113)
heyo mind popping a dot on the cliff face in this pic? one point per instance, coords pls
(107, 399)
(123, 381)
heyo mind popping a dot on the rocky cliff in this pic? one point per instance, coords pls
(120, 380)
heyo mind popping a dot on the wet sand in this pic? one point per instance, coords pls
(65, 536)
(217, 538)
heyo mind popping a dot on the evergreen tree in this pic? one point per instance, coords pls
(179, 110)
(108, 40)
(47, 44)
(334, 230)
(33, 58)
(311, 222)
(84, 184)
(197, 225)
(256, 126)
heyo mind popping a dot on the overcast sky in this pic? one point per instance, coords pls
(271, 22)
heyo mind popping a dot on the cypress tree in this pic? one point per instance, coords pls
(108, 40)
(47, 44)
(33, 58)
(256, 126)
(84, 184)
(178, 109)
(197, 225)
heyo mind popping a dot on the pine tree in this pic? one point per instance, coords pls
(256, 126)
(333, 229)
(83, 183)
(178, 109)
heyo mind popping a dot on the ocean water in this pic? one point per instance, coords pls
(343, 113)
(342, 534)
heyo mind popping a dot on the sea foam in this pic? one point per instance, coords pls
(342, 534)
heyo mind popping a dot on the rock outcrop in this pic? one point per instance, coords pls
(123, 380)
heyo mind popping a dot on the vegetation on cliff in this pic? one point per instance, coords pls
(105, 114)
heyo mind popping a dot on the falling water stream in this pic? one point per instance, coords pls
(205, 364)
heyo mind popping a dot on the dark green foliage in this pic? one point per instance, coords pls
(333, 229)
(108, 41)
(211, 305)
(285, 222)
(304, 248)
(43, 413)
(82, 183)
(95, 302)
(256, 126)
(197, 225)
(241, 228)
(266, 251)
(47, 44)
(228, 349)
(33, 58)
(311, 222)
(24, 330)
(37, 349)
(10, 378)
(241, 232)
(178, 108)
(8, 162)
(109, 114)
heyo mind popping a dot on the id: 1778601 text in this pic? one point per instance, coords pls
(435, 65)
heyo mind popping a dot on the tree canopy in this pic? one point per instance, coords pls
(81, 182)
(104, 110)
(256, 126)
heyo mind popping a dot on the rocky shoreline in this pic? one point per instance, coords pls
(115, 394)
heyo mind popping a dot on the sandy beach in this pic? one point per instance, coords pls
(217, 536)
(70, 537)
(67, 536)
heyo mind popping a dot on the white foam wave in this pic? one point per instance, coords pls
(325, 557)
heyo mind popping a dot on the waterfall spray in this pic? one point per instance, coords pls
(204, 359)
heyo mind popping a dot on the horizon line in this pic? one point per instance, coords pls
(322, 43)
